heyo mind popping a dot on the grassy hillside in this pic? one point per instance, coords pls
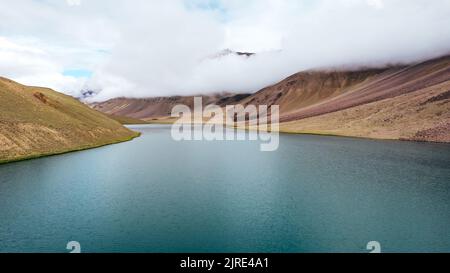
(37, 121)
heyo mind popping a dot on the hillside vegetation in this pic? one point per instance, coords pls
(37, 121)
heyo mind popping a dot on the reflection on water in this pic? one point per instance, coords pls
(315, 194)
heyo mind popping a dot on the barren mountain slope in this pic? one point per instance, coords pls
(422, 115)
(150, 108)
(309, 88)
(389, 84)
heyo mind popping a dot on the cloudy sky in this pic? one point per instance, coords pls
(143, 48)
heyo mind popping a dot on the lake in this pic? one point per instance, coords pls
(153, 194)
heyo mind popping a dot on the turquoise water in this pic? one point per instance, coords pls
(315, 194)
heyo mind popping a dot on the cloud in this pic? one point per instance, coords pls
(35, 66)
(378, 4)
(157, 48)
(73, 2)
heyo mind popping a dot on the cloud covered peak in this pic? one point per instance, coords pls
(159, 48)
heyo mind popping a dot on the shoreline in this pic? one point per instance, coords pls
(362, 137)
(318, 133)
(138, 134)
(79, 149)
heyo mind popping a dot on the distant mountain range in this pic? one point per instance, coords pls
(410, 102)
(160, 107)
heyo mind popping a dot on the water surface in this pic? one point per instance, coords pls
(315, 194)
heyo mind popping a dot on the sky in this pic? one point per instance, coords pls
(148, 48)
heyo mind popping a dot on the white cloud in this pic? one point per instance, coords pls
(154, 48)
(73, 2)
(378, 4)
(29, 65)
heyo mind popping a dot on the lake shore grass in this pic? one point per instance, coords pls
(71, 150)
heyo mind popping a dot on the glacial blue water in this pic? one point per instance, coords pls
(153, 194)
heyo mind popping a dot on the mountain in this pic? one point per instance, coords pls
(410, 102)
(127, 120)
(154, 108)
(37, 121)
(310, 88)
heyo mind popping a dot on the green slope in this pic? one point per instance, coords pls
(37, 121)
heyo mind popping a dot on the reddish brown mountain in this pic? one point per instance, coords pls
(152, 108)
